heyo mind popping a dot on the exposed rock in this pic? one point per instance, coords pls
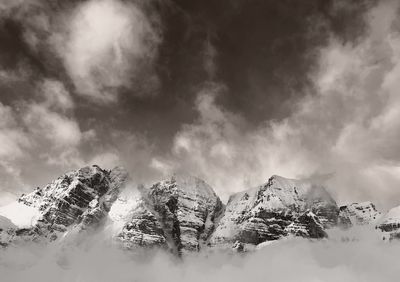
(143, 230)
(179, 212)
(134, 225)
(276, 209)
(390, 224)
(76, 200)
(358, 214)
(307, 225)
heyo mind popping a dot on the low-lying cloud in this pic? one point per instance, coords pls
(286, 260)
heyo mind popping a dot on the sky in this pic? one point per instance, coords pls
(230, 91)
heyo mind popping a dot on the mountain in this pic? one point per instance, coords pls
(358, 214)
(180, 214)
(276, 209)
(75, 201)
(390, 224)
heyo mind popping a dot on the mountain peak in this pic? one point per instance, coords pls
(274, 210)
(77, 200)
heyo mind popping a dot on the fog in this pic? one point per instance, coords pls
(366, 259)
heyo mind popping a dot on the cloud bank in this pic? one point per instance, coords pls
(288, 260)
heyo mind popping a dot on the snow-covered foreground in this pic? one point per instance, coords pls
(367, 259)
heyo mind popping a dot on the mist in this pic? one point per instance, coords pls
(356, 256)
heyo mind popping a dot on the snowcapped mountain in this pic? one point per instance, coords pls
(276, 209)
(180, 214)
(75, 201)
(390, 224)
(359, 214)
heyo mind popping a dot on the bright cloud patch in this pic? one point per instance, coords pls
(106, 42)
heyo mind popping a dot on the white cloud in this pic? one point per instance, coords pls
(297, 260)
(106, 160)
(36, 133)
(12, 138)
(59, 130)
(103, 45)
(55, 95)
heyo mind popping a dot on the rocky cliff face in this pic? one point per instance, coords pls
(75, 201)
(276, 209)
(358, 214)
(178, 213)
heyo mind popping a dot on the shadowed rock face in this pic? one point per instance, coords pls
(178, 213)
(276, 209)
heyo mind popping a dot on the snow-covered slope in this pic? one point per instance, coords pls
(358, 214)
(390, 224)
(20, 214)
(276, 209)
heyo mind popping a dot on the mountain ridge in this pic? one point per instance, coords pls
(180, 213)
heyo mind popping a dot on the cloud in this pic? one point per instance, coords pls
(346, 125)
(14, 144)
(105, 44)
(12, 138)
(219, 148)
(58, 129)
(55, 95)
(286, 260)
(7, 5)
(38, 131)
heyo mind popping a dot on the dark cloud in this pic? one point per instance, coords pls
(233, 91)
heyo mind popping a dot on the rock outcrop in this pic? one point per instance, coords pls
(358, 214)
(274, 210)
(77, 200)
(390, 224)
(178, 213)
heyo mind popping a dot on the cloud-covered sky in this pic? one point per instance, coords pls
(230, 91)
